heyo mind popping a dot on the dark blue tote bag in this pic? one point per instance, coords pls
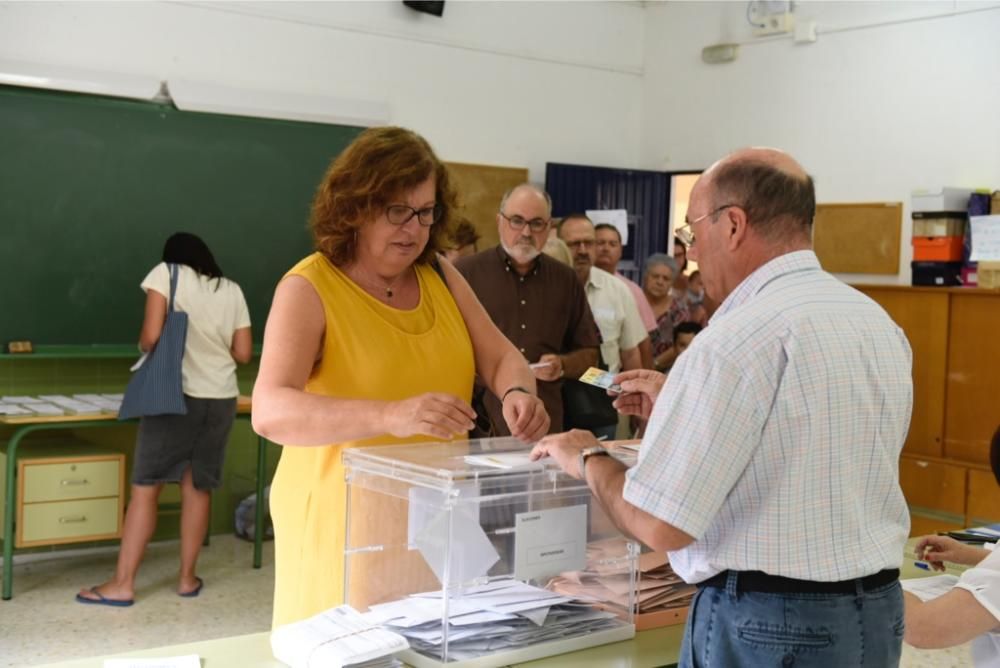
(155, 387)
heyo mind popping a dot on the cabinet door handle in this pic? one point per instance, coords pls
(68, 482)
(72, 519)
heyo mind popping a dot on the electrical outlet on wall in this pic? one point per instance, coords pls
(775, 24)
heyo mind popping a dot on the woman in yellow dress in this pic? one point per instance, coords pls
(374, 339)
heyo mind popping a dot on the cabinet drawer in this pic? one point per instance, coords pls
(66, 521)
(65, 480)
(933, 485)
(984, 497)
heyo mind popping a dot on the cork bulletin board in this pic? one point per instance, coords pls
(479, 189)
(858, 238)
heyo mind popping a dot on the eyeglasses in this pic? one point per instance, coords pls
(517, 222)
(686, 234)
(400, 214)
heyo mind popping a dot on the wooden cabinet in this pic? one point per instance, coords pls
(944, 470)
(67, 494)
(923, 315)
(972, 408)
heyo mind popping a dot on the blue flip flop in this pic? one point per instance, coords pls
(194, 592)
(101, 600)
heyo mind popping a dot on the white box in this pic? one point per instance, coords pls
(432, 534)
(940, 199)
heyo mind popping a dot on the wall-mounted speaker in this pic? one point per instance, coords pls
(435, 7)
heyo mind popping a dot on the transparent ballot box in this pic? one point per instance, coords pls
(468, 549)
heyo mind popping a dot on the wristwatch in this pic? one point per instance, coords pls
(593, 451)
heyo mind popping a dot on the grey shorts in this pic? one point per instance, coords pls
(168, 444)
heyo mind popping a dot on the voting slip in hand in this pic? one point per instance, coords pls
(601, 378)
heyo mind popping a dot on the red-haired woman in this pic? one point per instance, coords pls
(373, 339)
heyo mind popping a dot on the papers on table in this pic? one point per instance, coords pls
(188, 661)
(501, 615)
(60, 404)
(656, 585)
(336, 638)
(929, 588)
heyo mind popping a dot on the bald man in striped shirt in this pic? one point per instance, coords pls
(769, 469)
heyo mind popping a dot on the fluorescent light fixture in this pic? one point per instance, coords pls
(76, 79)
(214, 98)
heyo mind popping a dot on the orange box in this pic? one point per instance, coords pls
(937, 249)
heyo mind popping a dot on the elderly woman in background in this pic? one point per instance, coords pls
(374, 339)
(657, 284)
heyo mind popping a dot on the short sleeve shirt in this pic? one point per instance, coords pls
(544, 311)
(216, 308)
(616, 314)
(775, 441)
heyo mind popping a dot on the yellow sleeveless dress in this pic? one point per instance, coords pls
(370, 351)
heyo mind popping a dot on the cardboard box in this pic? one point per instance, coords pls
(988, 275)
(940, 199)
(939, 224)
(936, 274)
(937, 249)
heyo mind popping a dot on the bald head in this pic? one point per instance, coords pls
(528, 190)
(773, 189)
(777, 159)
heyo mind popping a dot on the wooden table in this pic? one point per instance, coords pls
(24, 425)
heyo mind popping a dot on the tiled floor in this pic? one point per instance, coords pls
(43, 624)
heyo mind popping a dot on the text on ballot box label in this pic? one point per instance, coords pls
(550, 541)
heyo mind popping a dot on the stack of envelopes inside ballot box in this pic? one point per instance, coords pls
(452, 545)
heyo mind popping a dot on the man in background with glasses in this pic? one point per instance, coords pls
(769, 467)
(535, 301)
(616, 314)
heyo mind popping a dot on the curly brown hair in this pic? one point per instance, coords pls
(378, 167)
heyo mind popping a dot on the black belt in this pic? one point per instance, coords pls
(758, 581)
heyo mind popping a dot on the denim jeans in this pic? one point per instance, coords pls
(730, 629)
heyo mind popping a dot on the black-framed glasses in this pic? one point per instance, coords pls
(686, 234)
(518, 223)
(400, 214)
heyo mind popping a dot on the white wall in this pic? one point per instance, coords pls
(494, 82)
(871, 113)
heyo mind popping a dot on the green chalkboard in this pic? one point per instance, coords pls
(91, 187)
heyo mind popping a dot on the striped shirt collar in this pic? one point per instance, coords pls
(789, 263)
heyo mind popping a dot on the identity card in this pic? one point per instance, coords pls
(601, 378)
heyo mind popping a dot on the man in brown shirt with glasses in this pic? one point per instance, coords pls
(537, 302)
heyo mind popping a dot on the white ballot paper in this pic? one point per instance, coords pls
(484, 619)
(547, 542)
(505, 460)
(928, 588)
(335, 638)
(469, 555)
